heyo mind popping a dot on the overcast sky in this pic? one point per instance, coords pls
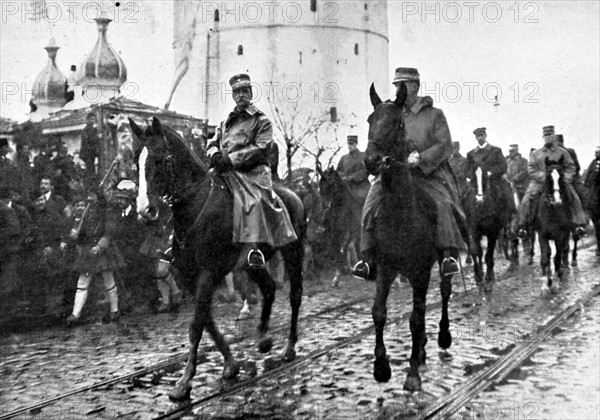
(540, 58)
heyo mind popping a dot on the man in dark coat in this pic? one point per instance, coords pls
(55, 202)
(9, 244)
(577, 179)
(517, 170)
(458, 162)
(240, 149)
(353, 171)
(493, 165)
(427, 129)
(89, 148)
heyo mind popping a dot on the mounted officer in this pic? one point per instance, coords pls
(458, 162)
(517, 170)
(353, 171)
(426, 128)
(241, 149)
(537, 171)
(577, 179)
(492, 162)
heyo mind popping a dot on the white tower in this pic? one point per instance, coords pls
(320, 54)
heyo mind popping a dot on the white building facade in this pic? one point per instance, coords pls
(308, 57)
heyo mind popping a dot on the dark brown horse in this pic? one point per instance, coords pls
(203, 250)
(487, 215)
(552, 223)
(340, 220)
(405, 231)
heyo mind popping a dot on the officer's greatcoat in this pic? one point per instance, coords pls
(259, 215)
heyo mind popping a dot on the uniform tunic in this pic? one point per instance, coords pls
(352, 169)
(517, 173)
(259, 215)
(537, 172)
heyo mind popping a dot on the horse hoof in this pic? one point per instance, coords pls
(289, 353)
(530, 261)
(180, 392)
(231, 370)
(265, 344)
(444, 339)
(381, 369)
(545, 292)
(412, 383)
(555, 289)
(574, 263)
(488, 287)
(335, 282)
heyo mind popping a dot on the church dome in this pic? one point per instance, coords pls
(50, 84)
(103, 66)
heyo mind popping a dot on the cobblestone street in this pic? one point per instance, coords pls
(40, 365)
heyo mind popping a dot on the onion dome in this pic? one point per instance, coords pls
(49, 85)
(103, 66)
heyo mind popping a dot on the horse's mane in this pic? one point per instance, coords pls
(174, 138)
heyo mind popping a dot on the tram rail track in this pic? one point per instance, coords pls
(181, 358)
(494, 374)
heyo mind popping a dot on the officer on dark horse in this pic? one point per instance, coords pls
(429, 136)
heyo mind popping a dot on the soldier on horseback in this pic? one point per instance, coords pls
(491, 161)
(427, 130)
(577, 179)
(517, 170)
(537, 171)
(353, 171)
(241, 148)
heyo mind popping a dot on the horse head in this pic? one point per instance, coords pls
(482, 179)
(155, 168)
(386, 131)
(555, 179)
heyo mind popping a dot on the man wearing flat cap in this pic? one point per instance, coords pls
(517, 170)
(537, 172)
(493, 165)
(241, 149)
(427, 130)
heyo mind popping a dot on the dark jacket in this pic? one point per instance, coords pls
(489, 158)
(353, 171)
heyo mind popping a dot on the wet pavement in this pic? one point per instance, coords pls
(557, 381)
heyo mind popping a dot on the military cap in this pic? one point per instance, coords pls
(513, 147)
(239, 81)
(455, 144)
(405, 74)
(560, 138)
(548, 130)
(352, 139)
(77, 197)
(479, 131)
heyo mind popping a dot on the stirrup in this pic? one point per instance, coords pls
(361, 270)
(450, 266)
(580, 231)
(522, 233)
(256, 258)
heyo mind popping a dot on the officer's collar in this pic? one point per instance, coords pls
(250, 110)
(420, 103)
(553, 147)
(482, 146)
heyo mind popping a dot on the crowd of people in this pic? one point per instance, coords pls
(62, 223)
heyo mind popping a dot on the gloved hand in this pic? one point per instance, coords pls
(413, 159)
(220, 163)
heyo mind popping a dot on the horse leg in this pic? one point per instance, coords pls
(444, 336)
(477, 253)
(417, 329)
(293, 255)
(574, 255)
(489, 262)
(267, 288)
(531, 244)
(545, 263)
(381, 367)
(204, 293)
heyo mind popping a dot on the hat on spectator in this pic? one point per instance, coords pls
(405, 74)
(78, 197)
(548, 130)
(239, 81)
(479, 131)
(352, 139)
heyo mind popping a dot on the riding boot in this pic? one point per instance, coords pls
(449, 264)
(366, 268)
